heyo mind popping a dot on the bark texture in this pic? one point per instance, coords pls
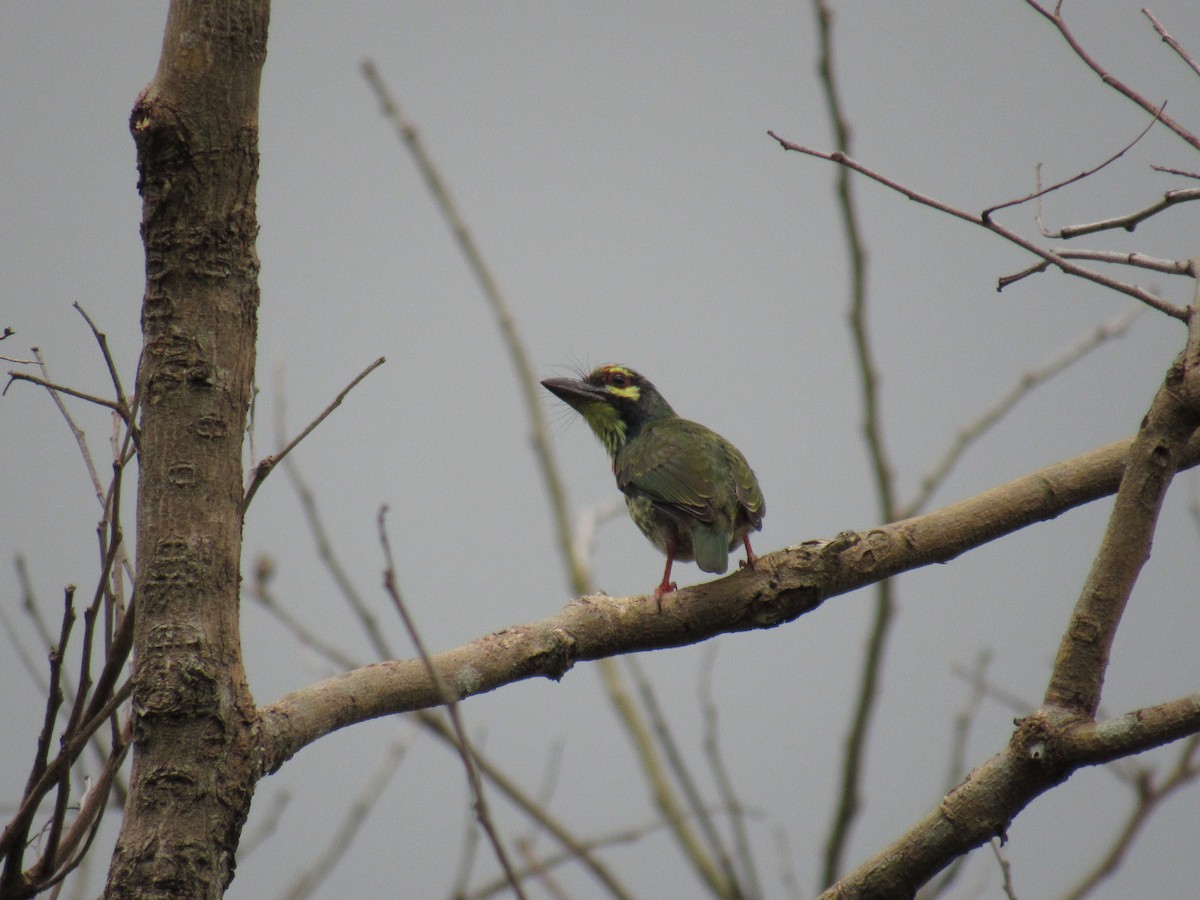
(196, 131)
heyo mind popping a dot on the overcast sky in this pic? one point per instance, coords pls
(613, 164)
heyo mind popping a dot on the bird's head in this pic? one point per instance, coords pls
(614, 400)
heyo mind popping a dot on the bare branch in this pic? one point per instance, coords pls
(973, 431)
(1041, 192)
(1129, 221)
(431, 721)
(1149, 796)
(789, 583)
(1107, 77)
(848, 802)
(1173, 171)
(724, 881)
(1171, 42)
(1135, 259)
(1047, 746)
(265, 466)
(63, 389)
(450, 701)
(991, 224)
(729, 797)
(1168, 426)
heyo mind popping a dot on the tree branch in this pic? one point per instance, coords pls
(785, 585)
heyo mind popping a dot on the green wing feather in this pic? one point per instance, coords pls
(674, 470)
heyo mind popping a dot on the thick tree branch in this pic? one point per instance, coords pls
(1044, 750)
(785, 585)
(1155, 457)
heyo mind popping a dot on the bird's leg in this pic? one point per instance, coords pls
(751, 557)
(667, 584)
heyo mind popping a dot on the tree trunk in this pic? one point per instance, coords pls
(196, 130)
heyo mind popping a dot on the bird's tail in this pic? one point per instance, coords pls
(711, 548)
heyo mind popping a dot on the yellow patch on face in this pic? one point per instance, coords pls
(630, 391)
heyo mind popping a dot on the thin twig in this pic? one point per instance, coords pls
(1005, 869)
(1107, 77)
(1169, 170)
(102, 340)
(1129, 221)
(1137, 260)
(1033, 378)
(63, 389)
(848, 802)
(266, 465)
(1171, 42)
(691, 791)
(580, 581)
(716, 761)
(450, 701)
(1132, 290)
(1041, 192)
(1149, 797)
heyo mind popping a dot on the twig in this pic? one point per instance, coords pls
(266, 465)
(102, 340)
(578, 575)
(1107, 77)
(1129, 221)
(1149, 797)
(450, 701)
(429, 720)
(1168, 426)
(1173, 171)
(848, 802)
(624, 836)
(1171, 42)
(63, 389)
(729, 797)
(1135, 259)
(728, 885)
(1005, 869)
(973, 431)
(1041, 192)
(517, 353)
(1049, 256)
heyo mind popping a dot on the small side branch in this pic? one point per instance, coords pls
(1049, 256)
(265, 466)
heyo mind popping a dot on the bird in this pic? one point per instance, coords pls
(689, 490)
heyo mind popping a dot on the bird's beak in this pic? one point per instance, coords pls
(576, 393)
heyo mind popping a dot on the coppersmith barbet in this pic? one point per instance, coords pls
(689, 490)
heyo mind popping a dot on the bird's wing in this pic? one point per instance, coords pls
(749, 494)
(682, 483)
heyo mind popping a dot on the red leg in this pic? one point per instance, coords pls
(751, 557)
(667, 584)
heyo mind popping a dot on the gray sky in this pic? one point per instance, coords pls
(613, 164)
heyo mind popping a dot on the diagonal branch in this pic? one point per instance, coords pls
(1154, 458)
(1056, 19)
(786, 585)
(1132, 290)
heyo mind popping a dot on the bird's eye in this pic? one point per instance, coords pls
(618, 379)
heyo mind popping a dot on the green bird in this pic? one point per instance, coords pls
(689, 490)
